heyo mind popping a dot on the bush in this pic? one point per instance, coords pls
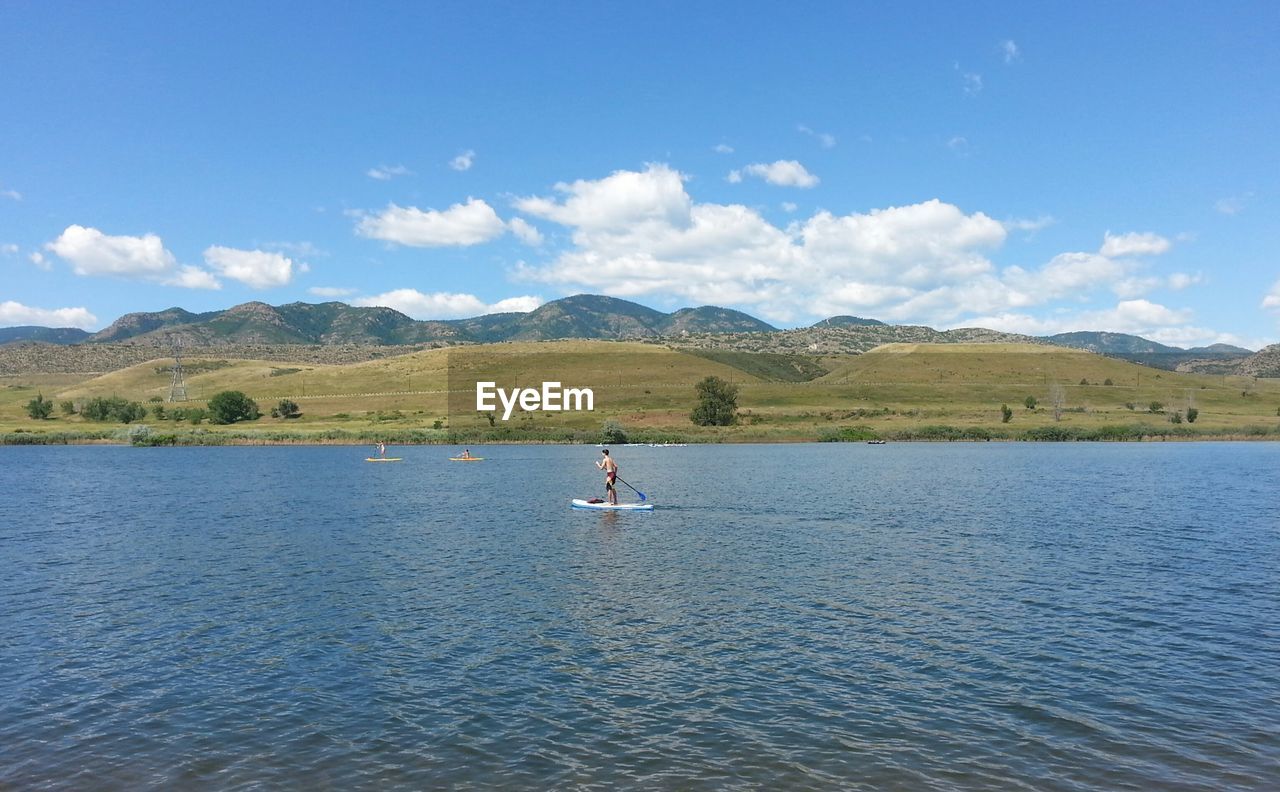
(1084, 381)
(1030, 402)
(287, 408)
(848, 434)
(1108, 382)
(1006, 414)
(1128, 405)
(228, 407)
(1192, 414)
(1175, 417)
(68, 407)
(113, 408)
(717, 403)
(40, 408)
(1155, 407)
(612, 433)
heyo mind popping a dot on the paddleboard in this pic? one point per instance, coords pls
(383, 459)
(466, 459)
(579, 503)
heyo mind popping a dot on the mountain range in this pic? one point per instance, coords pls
(581, 316)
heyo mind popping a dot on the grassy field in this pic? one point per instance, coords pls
(899, 391)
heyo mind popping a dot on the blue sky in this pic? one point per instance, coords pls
(1030, 167)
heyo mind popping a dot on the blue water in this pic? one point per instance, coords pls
(916, 617)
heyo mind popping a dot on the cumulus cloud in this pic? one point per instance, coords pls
(1009, 50)
(91, 252)
(8, 249)
(15, 313)
(460, 225)
(330, 291)
(446, 305)
(463, 161)
(189, 277)
(1147, 244)
(256, 268)
(783, 173)
(722, 148)
(1029, 225)
(1271, 301)
(525, 231)
(387, 172)
(39, 260)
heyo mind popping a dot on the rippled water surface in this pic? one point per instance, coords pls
(986, 616)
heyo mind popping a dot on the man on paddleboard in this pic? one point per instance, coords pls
(382, 450)
(610, 469)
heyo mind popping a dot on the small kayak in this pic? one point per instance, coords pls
(579, 503)
(383, 459)
(466, 459)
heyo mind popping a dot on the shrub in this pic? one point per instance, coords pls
(1192, 414)
(1030, 402)
(113, 408)
(40, 408)
(1155, 407)
(68, 407)
(1084, 381)
(287, 408)
(1129, 405)
(1108, 381)
(228, 407)
(1175, 417)
(1006, 414)
(612, 433)
(848, 434)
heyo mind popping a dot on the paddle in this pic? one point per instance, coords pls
(643, 497)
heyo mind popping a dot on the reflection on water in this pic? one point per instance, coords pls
(992, 616)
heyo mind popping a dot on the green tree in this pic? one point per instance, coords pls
(227, 407)
(717, 403)
(1192, 414)
(1108, 381)
(287, 408)
(612, 433)
(1006, 413)
(1030, 402)
(40, 408)
(113, 408)
(68, 407)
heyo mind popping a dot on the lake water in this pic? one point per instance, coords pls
(907, 616)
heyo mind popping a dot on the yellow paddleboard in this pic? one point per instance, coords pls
(466, 459)
(382, 459)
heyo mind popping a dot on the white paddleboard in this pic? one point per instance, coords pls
(579, 503)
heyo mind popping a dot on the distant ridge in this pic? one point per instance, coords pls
(44, 335)
(583, 316)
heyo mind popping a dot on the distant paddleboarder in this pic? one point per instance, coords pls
(466, 453)
(610, 469)
(382, 450)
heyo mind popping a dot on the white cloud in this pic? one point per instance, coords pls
(445, 305)
(459, 225)
(1009, 49)
(783, 173)
(722, 148)
(1029, 225)
(957, 143)
(15, 313)
(387, 172)
(8, 249)
(91, 252)
(734, 177)
(39, 260)
(1234, 204)
(1138, 317)
(1181, 280)
(12, 195)
(1271, 301)
(972, 84)
(641, 233)
(789, 207)
(463, 161)
(1147, 244)
(256, 268)
(189, 277)
(825, 139)
(331, 291)
(525, 231)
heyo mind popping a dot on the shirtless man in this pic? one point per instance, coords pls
(610, 469)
